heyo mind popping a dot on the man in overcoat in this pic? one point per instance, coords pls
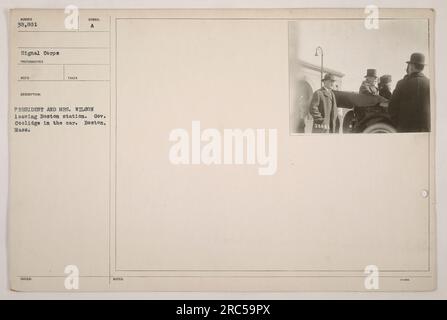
(323, 107)
(409, 106)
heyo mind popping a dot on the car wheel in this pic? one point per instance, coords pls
(380, 127)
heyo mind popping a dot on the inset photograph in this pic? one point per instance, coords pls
(348, 78)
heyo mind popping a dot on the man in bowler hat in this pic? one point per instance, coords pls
(409, 106)
(323, 107)
(369, 84)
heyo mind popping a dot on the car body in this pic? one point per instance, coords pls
(364, 113)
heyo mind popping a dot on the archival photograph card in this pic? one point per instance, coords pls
(222, 150)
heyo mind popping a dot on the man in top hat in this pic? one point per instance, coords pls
(409, 106)
(323, 107)
(385, 86)
(369, 84)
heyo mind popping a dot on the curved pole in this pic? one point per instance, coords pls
(319, 52)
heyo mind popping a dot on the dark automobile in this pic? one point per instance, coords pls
(366, 114)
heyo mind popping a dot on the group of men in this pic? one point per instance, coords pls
(369, 85)
(409, 103)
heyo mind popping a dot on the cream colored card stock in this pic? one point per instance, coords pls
(156, 150)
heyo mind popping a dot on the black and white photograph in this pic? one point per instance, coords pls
(348, 76)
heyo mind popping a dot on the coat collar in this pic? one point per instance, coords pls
(417, 75)
(326, 92)
(367, 84)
